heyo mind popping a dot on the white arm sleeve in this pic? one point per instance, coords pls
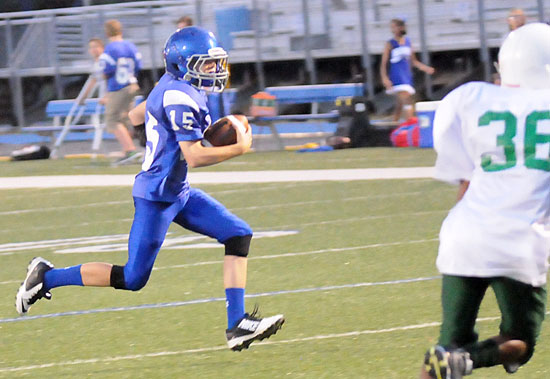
(453, 163)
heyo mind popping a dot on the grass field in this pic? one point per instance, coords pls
(353, 270)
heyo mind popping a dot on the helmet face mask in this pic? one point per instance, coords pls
(208, 71)
(524, 57)
(192, 54)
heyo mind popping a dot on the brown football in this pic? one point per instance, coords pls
(222, 132)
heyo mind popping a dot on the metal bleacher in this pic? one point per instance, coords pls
(54, 42)
(450, 25)
(59, 36)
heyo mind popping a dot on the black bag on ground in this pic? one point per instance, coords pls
(354, 123)
(30, 152)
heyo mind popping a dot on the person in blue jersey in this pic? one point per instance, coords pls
(399, 53)
(121, 63)
(176, 118)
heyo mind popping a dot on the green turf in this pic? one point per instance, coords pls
(347, 233)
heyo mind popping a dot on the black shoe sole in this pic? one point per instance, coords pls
(266, 334)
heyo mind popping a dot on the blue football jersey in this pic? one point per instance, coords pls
(175, 112)
(121, 63)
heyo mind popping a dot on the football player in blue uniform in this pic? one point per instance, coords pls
(176, 118)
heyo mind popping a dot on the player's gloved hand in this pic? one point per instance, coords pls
(139, 133)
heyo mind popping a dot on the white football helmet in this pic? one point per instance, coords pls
(524, 57)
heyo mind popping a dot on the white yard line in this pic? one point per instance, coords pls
(267, 187)
(283, 255)
(37, 192)
(32, 245)
(222, 177)
(223, 347)
(10, 282)
(61, 227)
(353, 219)
(63, 207)
(302, 253)
(13, 248)
(311, 202)
(342, 220)
(274, 205)
(215, 299)
(253, 207)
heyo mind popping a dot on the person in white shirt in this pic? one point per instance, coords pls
(96, 80)
(494, 142)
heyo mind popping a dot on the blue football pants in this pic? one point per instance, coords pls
(201, 213)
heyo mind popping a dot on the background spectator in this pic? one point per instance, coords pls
(95, 49)
(184, 22)
(400, 54)
(516, 18)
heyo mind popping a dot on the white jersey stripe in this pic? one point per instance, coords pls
(175, 97)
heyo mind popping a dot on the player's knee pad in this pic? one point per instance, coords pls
(238, 246)
(117, 277)
(132, 282)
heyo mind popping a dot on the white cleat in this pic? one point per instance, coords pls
(251, 328)
(31, 289)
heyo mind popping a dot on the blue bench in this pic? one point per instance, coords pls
(304, 94)
(57, 109)
(62, 108)
(71, 112)
(317, 93)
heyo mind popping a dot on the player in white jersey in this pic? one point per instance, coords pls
(494, 142)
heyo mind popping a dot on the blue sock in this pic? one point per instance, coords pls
(235, 305)
(58, 277)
